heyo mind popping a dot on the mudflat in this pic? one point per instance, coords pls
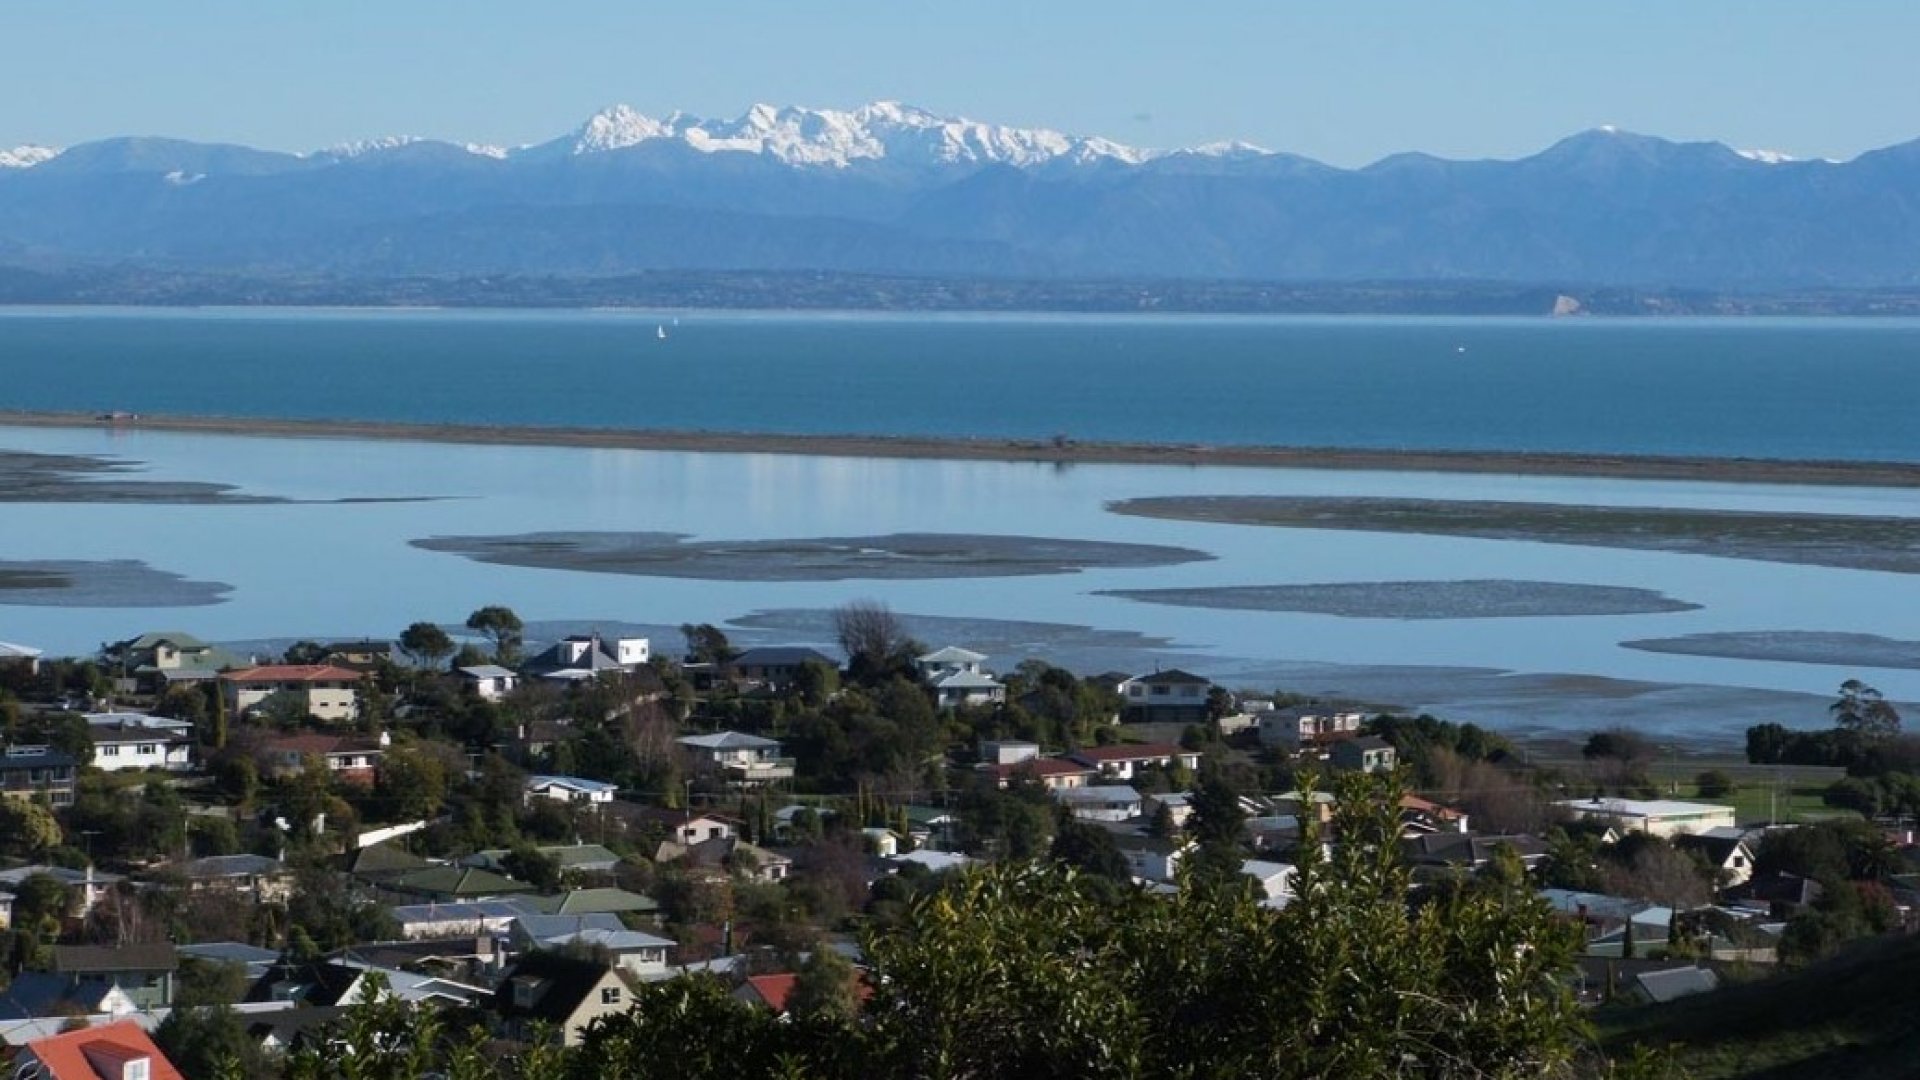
(894, 557)
(1481, 599)
(1791, 647)
(1054, 451)
(1850, 542)
(114, 583)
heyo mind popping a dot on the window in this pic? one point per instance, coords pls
(144, 749)
(1160, 691)
(109, 751)
(610, 996)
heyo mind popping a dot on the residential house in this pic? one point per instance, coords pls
(1153, 858)
(1054, 774)
(144, 972)
(1779, 895)
(683, 827)
(640, 955)
(569, 789)
(1007, 751)
(323, 984)
(1300, 727)
(729, 854)
(379, 862)
(1466, 851)
(1274, 879)
(1665, 818)
(1418, 815)
(558, 993)
(116, 1051)
(368, 655)
(37, 995)
(125, 741)
(743, 760)
(1123, 761)
(777, 666)
(1612, 921)
(472, 919)
(1661, 987)
(322, 691)
(152, 662)
(570, 858)
(587, 656)
(252, 959)
(934, 862)
(1368, 753)
(602, 901)
(353, 759)
(1100, 802)
(84, 887)
(37, 772)
(456, 884)
(1177, 804)
(1729, 856)
(775, 992)
(22, 656)
(1165, 697)
(259, 878)
(489, 682)
(926, 824)
(957, 677)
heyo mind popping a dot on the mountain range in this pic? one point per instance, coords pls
(888, 189)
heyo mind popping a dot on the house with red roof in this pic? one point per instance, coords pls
(1052, 773)
(1120, 762)
(324, 691)
(116, 1051)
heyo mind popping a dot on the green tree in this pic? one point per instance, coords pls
(413, 782)
(1864, 711)
(28, 830)
(210, 1042)
(1714, 784)
(828, 988)
(707, 644)
(426, 643)
(502, 627)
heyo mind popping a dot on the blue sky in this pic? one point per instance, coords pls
(1346, 82)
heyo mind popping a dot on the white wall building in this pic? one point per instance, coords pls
(1659, 817)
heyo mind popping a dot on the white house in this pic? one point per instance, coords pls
(490, 682)
(1171, 696)
(745, 760)
(1153, 858)
(1007, 751)
(1123, 762)
(1659, 817)
(586, 656)
(124, 741)
(569, 789)
(958, 678)
(1101, 803)
(24, 655)
(643, 955)
(1302, 726)
(1275, 880)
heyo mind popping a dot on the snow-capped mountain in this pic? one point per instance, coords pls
(26, 157)
(883, 131)
(889, 189)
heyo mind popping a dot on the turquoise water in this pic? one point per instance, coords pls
(1746, 388)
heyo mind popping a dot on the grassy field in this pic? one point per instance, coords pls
(1762, 793)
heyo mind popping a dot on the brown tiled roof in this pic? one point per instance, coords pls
(279, 673)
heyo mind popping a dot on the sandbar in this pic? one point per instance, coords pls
(115, 583)
(894, 557)
(1792, 647)
(1481, 599)
(1047, 451)
(1852, 542)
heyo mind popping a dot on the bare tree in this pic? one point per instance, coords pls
(871, 636)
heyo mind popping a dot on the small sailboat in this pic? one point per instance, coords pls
(660, 333)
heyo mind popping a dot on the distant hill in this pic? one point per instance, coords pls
(892, 190)
(1856, 1015)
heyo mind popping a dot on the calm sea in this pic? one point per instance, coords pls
(1749, 388)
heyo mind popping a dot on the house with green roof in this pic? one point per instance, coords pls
(456, 883)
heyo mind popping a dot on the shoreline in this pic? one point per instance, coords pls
(1037, 451)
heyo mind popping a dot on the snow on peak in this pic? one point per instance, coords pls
(883, 130)
(346, 151)
(1767, 157)
(1233, 150)
(486, 150)
(26, 157)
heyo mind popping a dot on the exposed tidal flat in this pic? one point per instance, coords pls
(116, 583)
(1887, 544)
(895, 557)
(1486, 599)
(1792, 647)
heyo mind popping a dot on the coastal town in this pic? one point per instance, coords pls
(215, 859)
